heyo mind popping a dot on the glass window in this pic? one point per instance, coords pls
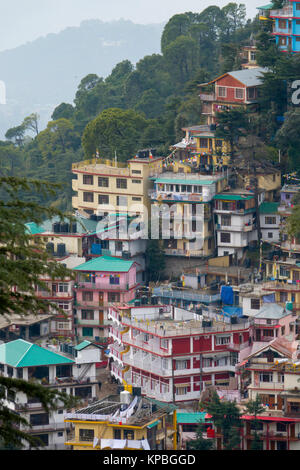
(88, 179)
(102, 182)
(121, 183)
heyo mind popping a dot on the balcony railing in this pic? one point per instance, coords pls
(207, 96)
(286, 11)
(101, 287)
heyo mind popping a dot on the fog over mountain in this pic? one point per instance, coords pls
(41, 74)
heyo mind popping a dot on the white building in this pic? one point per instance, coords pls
(75, 376)
(270, 221)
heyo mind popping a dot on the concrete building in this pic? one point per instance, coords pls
(76, 376)
(270, 222)
(171, 355)
(123, 422)
(235, 222)
(101, 282)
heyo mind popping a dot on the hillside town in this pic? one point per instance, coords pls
(184, 283)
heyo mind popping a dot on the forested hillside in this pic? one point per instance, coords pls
(149, 103)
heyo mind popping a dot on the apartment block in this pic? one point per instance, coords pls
(76, 376)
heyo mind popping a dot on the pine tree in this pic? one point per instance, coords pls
(22, 265)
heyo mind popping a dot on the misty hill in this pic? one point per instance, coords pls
(41, 74)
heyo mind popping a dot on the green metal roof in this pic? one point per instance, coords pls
(185, 181)
(191, 418)
(155, 423)
(82, 345)
(20, 353)
(266, 7)
(233, 197)
(269, 208)
(33, 228)
(106, 264)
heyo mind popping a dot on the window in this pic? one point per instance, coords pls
(129, 434)
(103, 199)
(39, 419)
(86, 434)
(121, 183)
(87, 314)
(137, 181)
(63, 287)
(136, 198)
(117, 434)
(222, 340)
(270, 234)
(255, 304)
(239, 93)
(266, 377)
(252, 57)
(222, 92)
(122, 201)
(204, 143)
(87, 296)
(88, 197)
(87, 332)
(136, 172)
(225, 237)
(88, 179)
(282, 24)
(44, 438)
(60, 434)
(19, 373)
(298, 6)
(181, 390)
(102, 182)
(63, 326)
(64, 305)
(181, 365)
(113, 297)
(226, 220)
(114, 279)
(270, 220)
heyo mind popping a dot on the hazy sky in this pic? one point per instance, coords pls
(25, 20)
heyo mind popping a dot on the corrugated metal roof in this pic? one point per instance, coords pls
(106, 264)
(34, 229)
(82, 345)
(233, 197)
(191, 418)
(249, 77)
(269, 208)
(20, 353)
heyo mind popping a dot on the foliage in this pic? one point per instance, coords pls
(155, 260)
(23, 263)
(200, 443)
(226, 417)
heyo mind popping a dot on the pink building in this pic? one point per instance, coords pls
(100, 283)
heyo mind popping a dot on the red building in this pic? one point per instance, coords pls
(237, 88)
(170, 357)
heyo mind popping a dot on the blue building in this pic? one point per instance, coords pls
(286, 26)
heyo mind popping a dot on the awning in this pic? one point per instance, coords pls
(155, 423)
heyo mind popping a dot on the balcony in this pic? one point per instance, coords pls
(101, 286)
(207, 97)
(179, 197)
(286, 11)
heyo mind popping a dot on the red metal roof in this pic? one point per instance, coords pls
(271, 418)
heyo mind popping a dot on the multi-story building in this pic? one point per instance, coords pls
(232, 89)
(187, 198)
(171, 356)
(123, 422)
(100, 282)
(272, 372)
(286, 26)
(112, 187)
(235, 222)
(59, 292)
(76, 376)
(202, 150)
(270, 222)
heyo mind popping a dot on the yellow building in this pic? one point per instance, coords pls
(123, 422)
(201, 147)
(112, 187)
